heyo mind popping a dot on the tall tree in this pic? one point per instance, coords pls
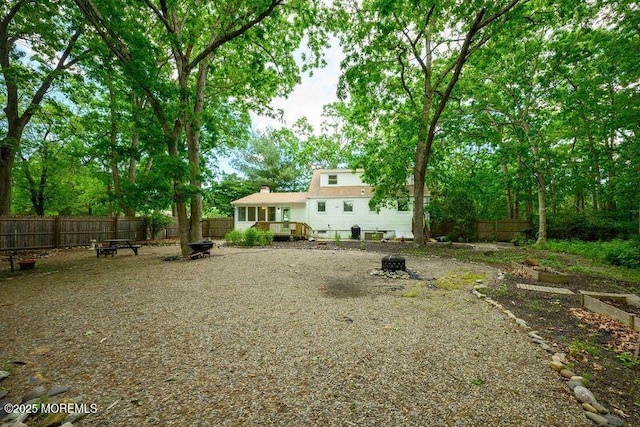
(403, 60)
(38, 43)
(243, 49)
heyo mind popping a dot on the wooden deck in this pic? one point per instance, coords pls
(288, 229)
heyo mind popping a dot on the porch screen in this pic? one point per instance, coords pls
(262, 213)
(251, 211)
(271, 213)
(242, 213)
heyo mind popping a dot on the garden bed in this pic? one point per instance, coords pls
(541, 274)
(623, 307)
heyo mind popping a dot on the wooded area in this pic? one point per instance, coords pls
(503, 109)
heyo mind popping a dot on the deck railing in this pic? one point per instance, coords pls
(299, 230)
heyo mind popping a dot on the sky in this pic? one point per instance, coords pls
(306, 100)
(308, 97)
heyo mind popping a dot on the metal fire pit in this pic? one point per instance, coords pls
(393, 263)
(200, 249)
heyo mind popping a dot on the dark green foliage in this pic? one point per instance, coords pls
(249, 237)
(625, 253)
(156, 222)
(459, 209)
(588, 227)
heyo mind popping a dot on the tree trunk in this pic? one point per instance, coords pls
(419, 175)
(540, 184)
(113, 139)
(7, 160)
(507, 191)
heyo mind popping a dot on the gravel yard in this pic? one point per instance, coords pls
(274, 337)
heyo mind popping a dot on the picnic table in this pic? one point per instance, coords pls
(111, 246)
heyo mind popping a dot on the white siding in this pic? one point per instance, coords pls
(344, 179)
(336, 220)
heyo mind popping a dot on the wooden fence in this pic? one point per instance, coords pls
(211, 228)
(60, 232)
(503, 230)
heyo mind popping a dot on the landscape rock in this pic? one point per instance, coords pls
(3, 393)
(600, 408)
(589, 408)
(615, 421)
(75, 417)
(583, 394)
(567, 373)
(36, 392)
(58, 390)
(559, 357)
(556, 366)
(598, 419)
(572, 384)
(54, 419)
(4, 374)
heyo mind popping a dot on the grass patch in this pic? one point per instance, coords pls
(458, 280)
(409, 294)
(582, 347)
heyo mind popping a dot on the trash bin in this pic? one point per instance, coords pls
(355, 232)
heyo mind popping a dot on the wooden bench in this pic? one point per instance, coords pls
(12, 255)
(106, 250)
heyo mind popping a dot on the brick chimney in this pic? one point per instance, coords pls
(265, 189)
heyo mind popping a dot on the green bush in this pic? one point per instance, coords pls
(265, 237)
(588, 227)
(624, 253)
(251, 236)
(620, 252)
(156, 222)
(234, 237)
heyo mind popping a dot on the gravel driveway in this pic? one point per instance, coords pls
(274, 337)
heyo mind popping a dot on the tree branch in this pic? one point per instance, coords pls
(219, 41)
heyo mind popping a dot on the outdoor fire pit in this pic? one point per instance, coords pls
(200, 249)
(393, 263)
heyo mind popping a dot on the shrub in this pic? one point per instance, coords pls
(234, 237)
(624, 253)
(156, 222)
(251, 236)
(588, 227)
(265, 237)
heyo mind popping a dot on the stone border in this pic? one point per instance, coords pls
(593, 410)
(29, 407)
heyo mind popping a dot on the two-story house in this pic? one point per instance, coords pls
(337, 201)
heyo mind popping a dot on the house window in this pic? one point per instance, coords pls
(242, 213)
(322, 206)
(262, 213)
(347, 207)
(271, 213)
(251, 213)
(403, 205)
(333, 179)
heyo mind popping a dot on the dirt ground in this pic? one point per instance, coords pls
(599, 348)
(293, 334)
(613, 377)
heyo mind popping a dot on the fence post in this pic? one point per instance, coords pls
(57, 232)
(115, 226)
